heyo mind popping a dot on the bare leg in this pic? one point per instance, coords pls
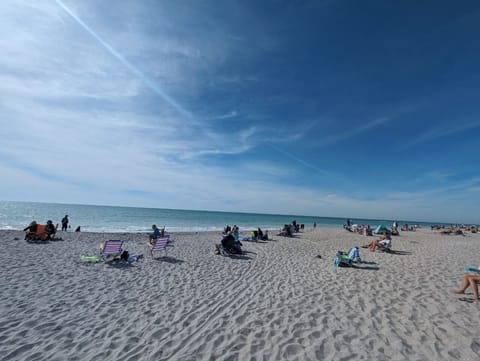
(465, 284)
(474, 286)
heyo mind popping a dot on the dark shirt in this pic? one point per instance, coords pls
(228, 242)
(32, 228)
(49, 228)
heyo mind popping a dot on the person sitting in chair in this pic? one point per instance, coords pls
(154, 235)
(384, 243)
(471, 281)
(50, 230)
(231, 245)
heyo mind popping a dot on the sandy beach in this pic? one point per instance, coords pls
(277, 302)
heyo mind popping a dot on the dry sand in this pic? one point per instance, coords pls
(278, 302)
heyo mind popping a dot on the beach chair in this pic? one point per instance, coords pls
(159, 244)
(385, 246)
(111, 248)
(343, 259)
(38, 235)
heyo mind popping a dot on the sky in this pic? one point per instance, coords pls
(367, 109)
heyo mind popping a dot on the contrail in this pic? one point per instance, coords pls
(301, 161)
(126, 63)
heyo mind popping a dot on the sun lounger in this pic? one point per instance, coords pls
(111, 248)
(159, 244)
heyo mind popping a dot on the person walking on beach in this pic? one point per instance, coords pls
(65, 223)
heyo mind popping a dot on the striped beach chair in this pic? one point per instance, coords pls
(111, 248)
(160, 244)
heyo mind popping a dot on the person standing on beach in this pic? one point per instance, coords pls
(65, 223)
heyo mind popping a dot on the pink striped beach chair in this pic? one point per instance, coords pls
(111, 248)
(160, 244)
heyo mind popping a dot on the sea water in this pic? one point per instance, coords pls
(17, 215)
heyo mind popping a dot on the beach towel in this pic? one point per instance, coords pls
(91, 259)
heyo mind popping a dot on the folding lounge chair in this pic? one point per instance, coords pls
(385, 247)
(343, 259)
(111, 248)
(160, 244)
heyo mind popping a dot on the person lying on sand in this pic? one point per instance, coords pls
(471, 281)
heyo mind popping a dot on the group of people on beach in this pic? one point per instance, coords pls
(289, 229)
(39, 232)
(35, 231)
(231, 241)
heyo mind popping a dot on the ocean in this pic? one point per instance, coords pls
(17, 215)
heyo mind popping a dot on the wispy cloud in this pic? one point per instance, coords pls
(132, 68)
(229, 115)
(444, 131)
(353, 131)
(299, 160)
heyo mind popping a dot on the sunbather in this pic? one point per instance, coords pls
(31, 230)
(471, 281)
(286, 231)
(230, 245)
(262, 235)
(384, 243)
(50, 230)
(155, 234)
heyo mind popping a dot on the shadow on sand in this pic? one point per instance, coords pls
(366, 268)
(169, 259)
(398, 253)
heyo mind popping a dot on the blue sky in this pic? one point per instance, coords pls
(330, 108)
